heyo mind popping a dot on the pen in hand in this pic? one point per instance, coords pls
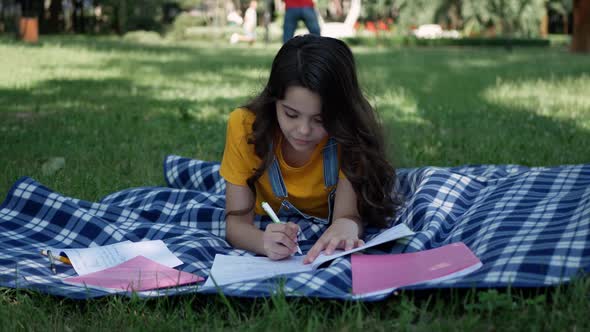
(51, 262)
(266, 207)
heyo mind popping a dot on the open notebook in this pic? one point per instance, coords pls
(231, 269)
(382, 274)
(137, 274)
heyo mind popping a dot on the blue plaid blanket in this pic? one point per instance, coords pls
(529, 226)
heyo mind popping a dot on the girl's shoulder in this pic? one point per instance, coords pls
(242, 114)
(241, 119)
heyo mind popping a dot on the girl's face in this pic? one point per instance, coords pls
(300, 119)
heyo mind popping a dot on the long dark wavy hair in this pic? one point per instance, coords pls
(326, 66)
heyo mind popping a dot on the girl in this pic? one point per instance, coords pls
(309, 145)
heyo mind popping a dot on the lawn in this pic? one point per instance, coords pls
(114, 109)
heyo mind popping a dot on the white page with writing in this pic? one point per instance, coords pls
(230, 269)
(394, 233)
(88, 260)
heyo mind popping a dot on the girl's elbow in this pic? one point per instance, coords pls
(234, 226)
(230, 231)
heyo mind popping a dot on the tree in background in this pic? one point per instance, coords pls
(581, 36)
(377, 9)
(477, 17)
(127, 15)
(450, 14)
(53, 20)
(506, 17)
(9, 12)
(564, 8)
(412, 13)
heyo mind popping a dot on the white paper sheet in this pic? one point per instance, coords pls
(394, 233)
(88, 260)
(230, 269)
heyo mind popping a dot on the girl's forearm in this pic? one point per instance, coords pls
(243, 234)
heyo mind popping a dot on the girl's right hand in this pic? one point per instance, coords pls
(280, 240)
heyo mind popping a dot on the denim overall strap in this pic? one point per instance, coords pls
(276, 179)
(330, 153)
(331, 169)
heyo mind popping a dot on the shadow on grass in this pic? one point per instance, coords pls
(110, 137)
(433, 103)
(114, 132)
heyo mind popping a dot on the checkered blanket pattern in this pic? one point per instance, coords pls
(529, 226)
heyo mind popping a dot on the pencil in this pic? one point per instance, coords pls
(60, 258)
(271, 213)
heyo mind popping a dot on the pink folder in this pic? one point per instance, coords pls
(381, 274)
(137, 274)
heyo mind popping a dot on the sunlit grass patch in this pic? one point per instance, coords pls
(566, 98)
(398, 104)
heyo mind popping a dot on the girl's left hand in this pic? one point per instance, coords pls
(342, 234)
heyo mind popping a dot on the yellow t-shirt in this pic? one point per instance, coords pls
(305, 184)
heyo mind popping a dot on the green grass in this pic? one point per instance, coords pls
(114, 109)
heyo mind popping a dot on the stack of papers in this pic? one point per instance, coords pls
(126, 266)
(136, 274)
(88, 260)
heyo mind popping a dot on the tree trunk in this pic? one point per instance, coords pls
(581, 33)
(54, 23)
(76, 10)
(544, 26)
(267, 20)
(122, 17)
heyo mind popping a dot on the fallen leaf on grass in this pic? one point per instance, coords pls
(53, 165)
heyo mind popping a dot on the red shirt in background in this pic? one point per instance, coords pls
(298, 3)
